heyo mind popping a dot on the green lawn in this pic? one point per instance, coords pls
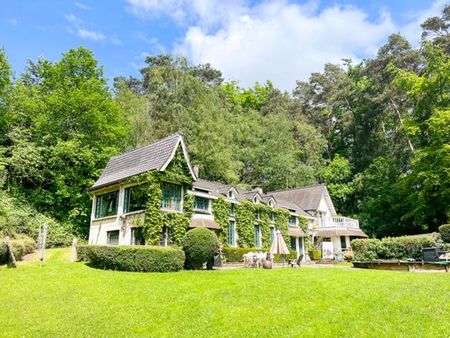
(72, 299)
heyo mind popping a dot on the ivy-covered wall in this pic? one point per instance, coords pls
(155, 219)
(221, 212)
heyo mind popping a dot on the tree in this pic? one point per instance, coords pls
(436, 29)
(429, 126)
(63, 126)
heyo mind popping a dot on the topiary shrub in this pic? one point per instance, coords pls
(199, 245)
(444, 230)
(132, 258)
(315, 254)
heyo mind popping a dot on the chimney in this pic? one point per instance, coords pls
(195, 170)
(258, 189)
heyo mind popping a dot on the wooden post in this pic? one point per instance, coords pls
(73, 253)
(11, 258)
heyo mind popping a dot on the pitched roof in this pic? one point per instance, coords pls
(155, 156)
(308, 198)
(330, 232)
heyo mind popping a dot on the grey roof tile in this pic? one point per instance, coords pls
(150, 157)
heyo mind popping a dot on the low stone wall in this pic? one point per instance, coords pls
(402, 265)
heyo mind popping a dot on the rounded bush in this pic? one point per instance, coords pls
(132, 258)
(200, 245)
(444, 230)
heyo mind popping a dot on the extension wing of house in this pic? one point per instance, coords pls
(152, 195)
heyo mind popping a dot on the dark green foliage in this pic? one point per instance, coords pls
(391, 247)
(199, 245)
(132, 258)
(444, 230)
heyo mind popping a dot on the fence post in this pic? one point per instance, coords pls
(73, 252)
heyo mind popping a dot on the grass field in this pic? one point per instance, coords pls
(72, 299)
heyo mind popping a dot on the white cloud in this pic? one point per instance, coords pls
(284, 42)
(90, 35)
(12, 21)
(78, 28)
(82, 6)
(276, 40)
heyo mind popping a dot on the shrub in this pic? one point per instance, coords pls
(315, 254)
(199, 245)
(235, 254)
(444, 230)
(132, 258)
(391, 247)
(17, 217)
(21, 246)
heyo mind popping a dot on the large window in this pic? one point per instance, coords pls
(171, 196)
(135, 198)
(106, 204)
(257, 236)
(201, 204)
(232, 233)
(137, 236)
(272, 234)
(112, 237)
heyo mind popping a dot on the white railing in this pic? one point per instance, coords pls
(337, 222)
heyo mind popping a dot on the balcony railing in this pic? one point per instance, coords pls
(337, 222)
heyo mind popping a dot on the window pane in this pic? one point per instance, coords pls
(231, 233)
(293, 243)
(292, 220)
(343, 243)
(171, 198)
(135, 198)
(272, 234)
(106, 204)
(112, 237)
(257, 236)
(201, 204)
(137, 236)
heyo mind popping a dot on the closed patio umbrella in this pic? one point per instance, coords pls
(279, 245)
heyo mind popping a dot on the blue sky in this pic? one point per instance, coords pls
(249, 41)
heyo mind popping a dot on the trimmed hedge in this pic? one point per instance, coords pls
(235, 254)
(21, 246)
(315, 254)
(444, 230)
(199, 245)
(391, 248)
(132, 258)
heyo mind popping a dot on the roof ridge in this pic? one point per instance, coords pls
(298, 188)
(177, 134)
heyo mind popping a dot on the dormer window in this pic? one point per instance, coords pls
(292, 221)
(230, 194)
(271, 203)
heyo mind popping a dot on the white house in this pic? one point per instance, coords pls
(118, 205)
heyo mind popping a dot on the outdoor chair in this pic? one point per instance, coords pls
(431, 254)
(294, 263)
